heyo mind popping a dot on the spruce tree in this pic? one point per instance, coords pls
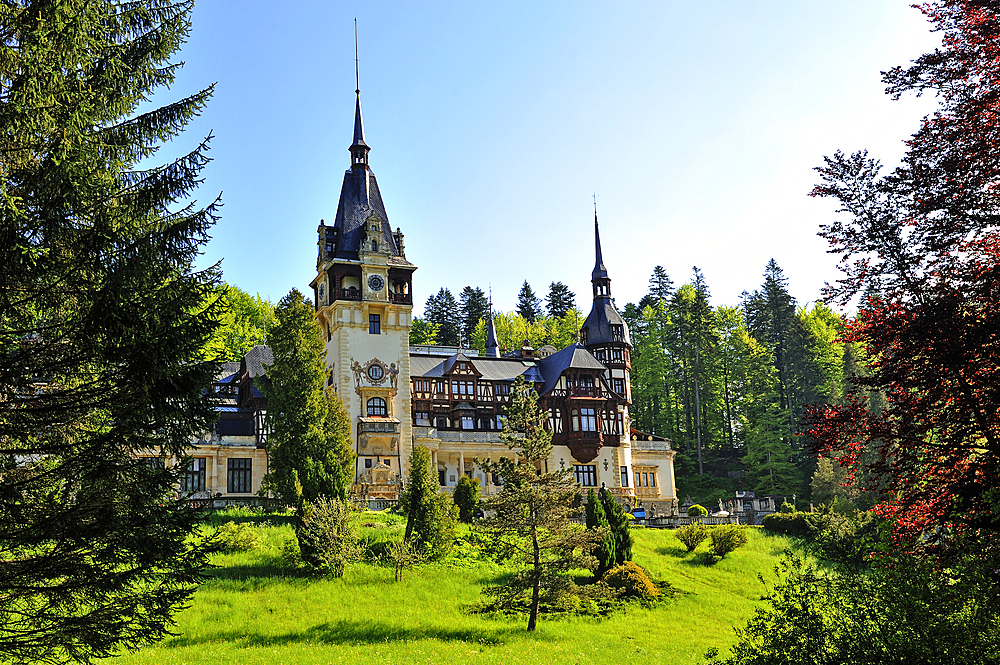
(528, 304)
(430, 513)
(560, 300)
(442, 309)
(618, 524)
(473, 307)
(597, 520)
(309, 445)
(531, 510)
(103, 324)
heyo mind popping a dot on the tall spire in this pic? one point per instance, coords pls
(359, 149)
(492, 348)
(599, 270)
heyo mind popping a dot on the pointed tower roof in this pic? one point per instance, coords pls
(359, 125)
(492, 348)
(599, 270)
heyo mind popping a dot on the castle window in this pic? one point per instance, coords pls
(441, 387)
(620, 386)
(588, 421)
(374, 245)
(621, 424)
(422, 418)
(193, 479)
(583, 337)
(238, 475)
(586, 474)
(374, 324)
(624, 471)
(574, 416)
(618, 334)
(377, 407)
(468, 422)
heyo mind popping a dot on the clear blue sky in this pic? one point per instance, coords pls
(491, 124)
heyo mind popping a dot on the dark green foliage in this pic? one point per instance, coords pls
(661, 287)
(309, 446)
(790, 524)
(466, 497)
(607, 546)
(905, 611)
(697, 511)
(692, 535)
(441, 310)
(530, 512)
(473, 308)
(104, 321)
(786, 508)
(528, 304)
(326, 536)
(619, 524)
(431, 514)
(559, 300)
(726, 538)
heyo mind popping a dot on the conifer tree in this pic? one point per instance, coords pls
(309, 445)
(473, 307)
(531, 510)
(528, 304)
(618, 523)
(430, 513)
(560, 300)
(442, 309)
(103, 324)
(606, 546)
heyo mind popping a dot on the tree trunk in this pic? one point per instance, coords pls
(533, 616)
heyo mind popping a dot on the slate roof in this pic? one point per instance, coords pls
(256, 359)
(598, 323)
(492, 369)
(359, 199)
(227, 372)
(573, 356)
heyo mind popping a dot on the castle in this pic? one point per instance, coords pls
(447, 399)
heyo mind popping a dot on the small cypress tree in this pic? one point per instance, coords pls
(466, 496)
(430, 513)
(606, 548)
(618, 522)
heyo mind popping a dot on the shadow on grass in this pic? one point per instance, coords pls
(678, 551)
(701, 559)
(262, 519)
(264, 572)
(350, 632)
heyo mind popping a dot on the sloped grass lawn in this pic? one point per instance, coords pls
(257, 610)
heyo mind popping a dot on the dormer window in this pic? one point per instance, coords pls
(374, 245)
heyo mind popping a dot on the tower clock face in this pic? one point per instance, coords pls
(375, 283)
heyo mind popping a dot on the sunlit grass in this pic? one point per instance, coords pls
(255, 609)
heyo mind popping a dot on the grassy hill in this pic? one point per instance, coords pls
(255, 609)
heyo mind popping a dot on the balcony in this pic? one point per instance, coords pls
(651, 446)
(347, 294)
(400, 298)
(378, 426)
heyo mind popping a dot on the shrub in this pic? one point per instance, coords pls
(786, 508)
(692, 535)
(604, 550)
(238, 537)
(326, 536)
(726, 538)
(697, 511)
(789, 524)
(631, 581)
(466, 496)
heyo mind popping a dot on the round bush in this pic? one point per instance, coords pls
(697, 511)
(238, 537)
(726, 538)
(631, 581)
(692, 535)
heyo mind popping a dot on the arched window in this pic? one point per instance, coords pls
(376, 407)
(374, 245)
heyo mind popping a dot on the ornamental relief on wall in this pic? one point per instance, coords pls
(375, 373)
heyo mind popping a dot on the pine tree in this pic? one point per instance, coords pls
(661, 287)
(442, 309)
(528, 304)
(104, 324)
(531, 510)
(309, 445)
(473, 307)
(560, 300)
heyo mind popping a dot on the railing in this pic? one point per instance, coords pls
(376, 504)
(221, 503)
(387, 427)
(651, 445)
(620, 491)
(582, 391)
(472, 437)
(347, 294)
(401, 298)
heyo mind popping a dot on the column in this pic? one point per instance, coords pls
(461, 464)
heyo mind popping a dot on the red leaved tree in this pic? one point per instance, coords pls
(922, 243)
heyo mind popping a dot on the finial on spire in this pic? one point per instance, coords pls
(600, 272)
(357, 74)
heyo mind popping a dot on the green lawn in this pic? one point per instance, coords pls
(254, 611)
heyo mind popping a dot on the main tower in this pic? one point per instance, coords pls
(363, 292)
